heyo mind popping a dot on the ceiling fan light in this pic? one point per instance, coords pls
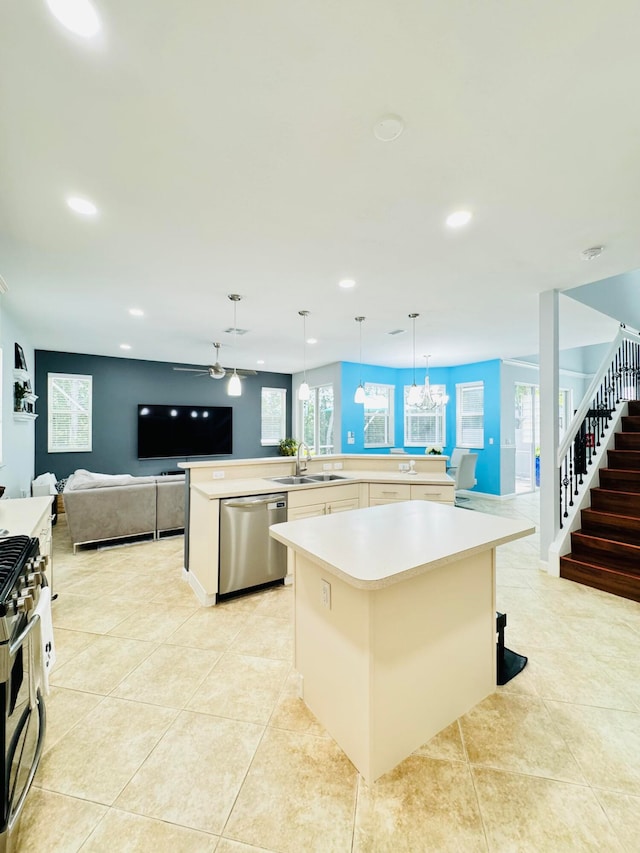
(234, 388)
(303, 392)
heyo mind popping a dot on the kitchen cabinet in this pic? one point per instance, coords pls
(328, 501)
(386, 493)
(442, 494)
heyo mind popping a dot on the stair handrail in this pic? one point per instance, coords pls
(577, 420)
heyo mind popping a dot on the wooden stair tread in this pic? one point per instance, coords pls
(615, 581)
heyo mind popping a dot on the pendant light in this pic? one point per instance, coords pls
(303, 390)
(359, 396)
(415, 393)
(234, 388)
(432, 399)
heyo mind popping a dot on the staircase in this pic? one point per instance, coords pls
(606, 550)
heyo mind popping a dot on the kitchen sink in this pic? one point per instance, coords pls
(325, 478)
(292, 481)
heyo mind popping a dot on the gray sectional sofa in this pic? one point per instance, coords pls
(102, 507)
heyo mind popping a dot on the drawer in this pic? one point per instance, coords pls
(389, 491)
(443, 493)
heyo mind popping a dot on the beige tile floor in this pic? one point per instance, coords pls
(177, 728)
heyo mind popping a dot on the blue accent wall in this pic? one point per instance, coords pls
(488, 467)
(119, 385)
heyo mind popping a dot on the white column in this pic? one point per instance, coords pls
(549, 390)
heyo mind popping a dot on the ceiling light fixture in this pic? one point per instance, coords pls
(459, 219)
(415, 394)
(136, 312)
(593, 252)
(79, 16)
(234, 388)
(432, 399)
(312, 340)
(125, 346)
(388, 128)
(359, 396)
(82, 206)
(346, 283)
(303, 390)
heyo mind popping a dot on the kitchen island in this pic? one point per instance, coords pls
(395, 622)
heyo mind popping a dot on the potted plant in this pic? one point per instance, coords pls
(288, 447)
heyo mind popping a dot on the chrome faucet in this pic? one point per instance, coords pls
(301, 466)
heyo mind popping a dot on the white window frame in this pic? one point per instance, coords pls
(469, 418)
(438, 417)
(74, 408)
(373, 390)
(273, 423)
(315, 393)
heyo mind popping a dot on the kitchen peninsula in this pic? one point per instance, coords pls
(356, 480)
(395, 631)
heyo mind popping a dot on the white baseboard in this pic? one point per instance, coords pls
(201, 594)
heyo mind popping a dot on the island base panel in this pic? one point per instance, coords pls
(386, 669)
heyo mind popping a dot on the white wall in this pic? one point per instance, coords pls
(18, 442)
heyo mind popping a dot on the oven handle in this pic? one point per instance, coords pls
(24, 634)
(42, 717)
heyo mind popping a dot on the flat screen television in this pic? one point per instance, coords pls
(180, 431)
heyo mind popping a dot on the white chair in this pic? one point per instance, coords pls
(465, 475)
(456, 454)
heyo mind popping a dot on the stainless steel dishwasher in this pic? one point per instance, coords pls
(248, 555)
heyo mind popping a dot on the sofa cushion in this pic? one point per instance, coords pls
(83, 479)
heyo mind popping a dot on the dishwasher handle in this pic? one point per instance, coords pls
(258, 500)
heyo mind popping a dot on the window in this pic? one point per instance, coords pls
(564, 410)
(273, 415)
(69, 419)
(470, 415)
(424, 427)
(317, 420)
(378, 415)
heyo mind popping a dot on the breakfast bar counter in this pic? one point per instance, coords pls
(394, 621)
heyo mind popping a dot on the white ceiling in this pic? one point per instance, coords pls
(229, 147)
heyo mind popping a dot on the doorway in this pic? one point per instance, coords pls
(527, 437)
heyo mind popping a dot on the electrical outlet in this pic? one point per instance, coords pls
(325, 594)
(337, 466)
(327, 466)
(218, 475)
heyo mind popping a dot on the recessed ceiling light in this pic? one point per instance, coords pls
(125, 346)
(459, 218)
(136, 312)
(346, 283)
(260, 361)
(79, 16)
(312, 340)
(82, 206)
(593, 252)
(388, 128)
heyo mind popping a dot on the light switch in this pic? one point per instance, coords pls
(325, 594)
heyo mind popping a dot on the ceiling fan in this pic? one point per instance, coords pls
(216, 371)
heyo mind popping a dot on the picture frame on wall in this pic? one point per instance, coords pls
(20, 360)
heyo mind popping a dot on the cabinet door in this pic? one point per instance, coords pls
(342, 506)
(296, 512)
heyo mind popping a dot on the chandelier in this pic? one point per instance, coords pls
(431, 398)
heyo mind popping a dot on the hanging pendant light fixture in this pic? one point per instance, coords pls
(415, 393)
(234, 388)
(432, 399)
(303, 390)
(359, 396)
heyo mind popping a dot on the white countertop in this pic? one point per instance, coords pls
(21, 515)
(236, 487)
(375, 547)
